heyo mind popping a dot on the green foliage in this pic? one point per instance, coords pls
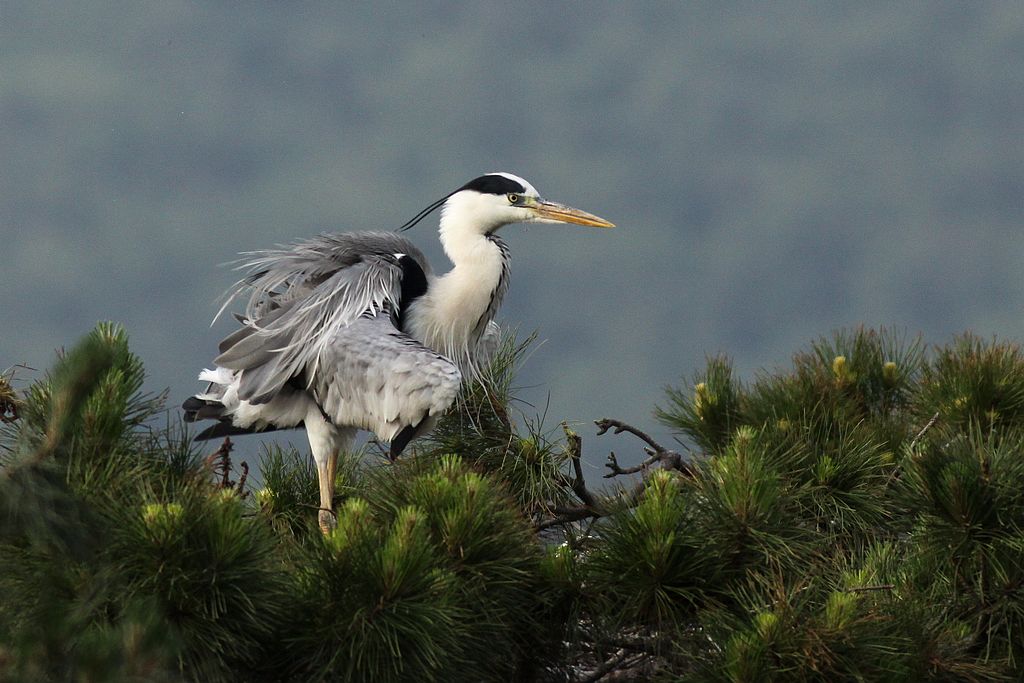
(712, 409)
(863, 376)
(290, 491)
(828, 529)
(858, 538)
(653, 566)
(974, 382)
(483, 431)
(121, 559)
(211, 573)
(434, 572)
(968, 503)
(380, 604)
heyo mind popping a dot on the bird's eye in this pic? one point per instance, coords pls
(513, 198)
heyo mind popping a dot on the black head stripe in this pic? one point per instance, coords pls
(494, 184)
(485, 184)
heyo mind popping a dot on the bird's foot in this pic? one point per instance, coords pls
(327, 521)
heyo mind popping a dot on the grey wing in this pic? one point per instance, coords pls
(375, 377)
(301, 297)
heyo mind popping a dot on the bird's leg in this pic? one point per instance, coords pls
(325, 471)
(324, 442)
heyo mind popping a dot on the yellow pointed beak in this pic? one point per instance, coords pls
(553, 211)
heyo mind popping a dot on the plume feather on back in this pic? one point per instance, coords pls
(300, 297)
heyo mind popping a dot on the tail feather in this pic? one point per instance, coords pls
(233, 416)
(224, 428)
(199, 409)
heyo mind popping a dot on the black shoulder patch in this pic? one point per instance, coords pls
(414, 285)
(493, 184)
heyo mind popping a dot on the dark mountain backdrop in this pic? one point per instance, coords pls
(776, 170)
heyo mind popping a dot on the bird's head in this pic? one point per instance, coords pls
(497, 199)
(491, 201)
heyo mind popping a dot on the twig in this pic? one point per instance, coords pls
(241, 480)
(931, 423)
(864, 589)
(619, 661)
(594, 507)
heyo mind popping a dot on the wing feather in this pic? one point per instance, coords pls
(301, 297)
(378, 378)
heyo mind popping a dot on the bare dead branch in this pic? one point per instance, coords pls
(616, 470)
(241, 480)
(606, 423)
(567, 517)
(594, 507)
(656, 453)
(577, 484)
(219, 464)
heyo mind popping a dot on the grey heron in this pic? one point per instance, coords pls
(354, 331)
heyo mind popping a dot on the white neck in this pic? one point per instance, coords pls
(447, 317)
(466, 218)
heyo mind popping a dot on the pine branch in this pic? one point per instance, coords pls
(616, 470)
(567, 516)
(606, 423)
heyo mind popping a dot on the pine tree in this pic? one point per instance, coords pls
(857, 517)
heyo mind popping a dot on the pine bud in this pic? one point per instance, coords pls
(161, 516)
(661, 486)
(226, 496)
(472, 484)
(352, 520)
(840, 370)
(765, 622)
(826, 469)
(840, 609)
(744, 436)
(528, 450)
(265, 497)
(558, 563)
(702, 399)
(890, 374)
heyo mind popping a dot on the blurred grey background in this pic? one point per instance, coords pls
(777, 170)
